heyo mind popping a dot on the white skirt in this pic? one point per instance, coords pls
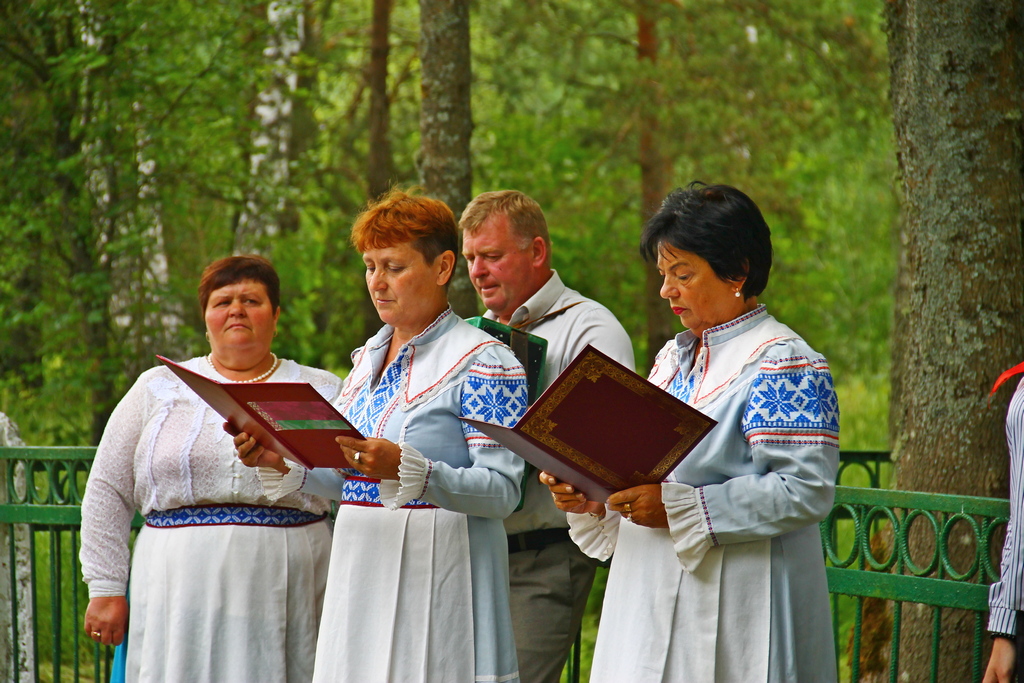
(660, 623)
(399, 601)
(226, 604)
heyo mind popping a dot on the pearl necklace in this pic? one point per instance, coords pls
(268, 373)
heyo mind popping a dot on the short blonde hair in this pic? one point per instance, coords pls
(525, 217)
(398, 217)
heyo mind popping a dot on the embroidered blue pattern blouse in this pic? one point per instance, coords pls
(448, 371)
(735, 588)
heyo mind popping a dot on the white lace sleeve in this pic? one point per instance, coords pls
(686, 524)
(109, 501)
(277, 485)
(595, 537)
(413, 475)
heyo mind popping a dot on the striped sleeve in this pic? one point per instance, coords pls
(1006, 596)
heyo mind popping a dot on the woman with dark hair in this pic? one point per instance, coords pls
(418, 585)
(718, 572)
(213, 541)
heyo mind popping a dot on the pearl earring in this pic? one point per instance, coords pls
(737, 293)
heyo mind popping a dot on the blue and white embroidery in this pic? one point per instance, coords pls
(793, 402)
(366, 491)
(495, 394)
(246, 515)
(682, 386)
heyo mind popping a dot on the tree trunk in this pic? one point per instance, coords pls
(74, 105)
(446, 125)
(956, 87)
(655, 177)
(268, 209)
(380, 161)
(21, 585)
(145, 320)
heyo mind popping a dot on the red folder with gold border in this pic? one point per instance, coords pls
(290, 418)
(603, 428)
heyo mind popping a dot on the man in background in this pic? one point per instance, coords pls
(508, 251)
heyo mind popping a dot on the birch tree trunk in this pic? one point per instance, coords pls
(23, 668)
(956, 88)
(268, 209)
(128, 232)
(655, 175)
(146, 321)
(446, 124)
(77, 106)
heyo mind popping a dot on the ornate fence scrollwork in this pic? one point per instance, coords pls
(46, 476)
(44, 488)
(43, 495)
(911, 560)
(864, 468)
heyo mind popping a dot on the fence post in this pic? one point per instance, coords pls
(16, 581)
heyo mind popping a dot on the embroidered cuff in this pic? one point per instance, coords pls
(99, 588)
(276, 485)
(687, 525)
(595, 537)
(413, 476)
(1000, 620)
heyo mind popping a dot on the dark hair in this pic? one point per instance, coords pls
(235, 269)
(718, 223)
(398, 217)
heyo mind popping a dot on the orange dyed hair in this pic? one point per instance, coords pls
(398, 217)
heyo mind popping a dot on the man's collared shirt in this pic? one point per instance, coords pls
(567, 333)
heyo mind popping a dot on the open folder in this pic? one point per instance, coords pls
(603, 428)
(290, 418)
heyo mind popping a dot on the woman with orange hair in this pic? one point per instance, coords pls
(418, 582)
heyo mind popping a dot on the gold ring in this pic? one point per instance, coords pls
(96, 634)
(356, 456)
(628, 509)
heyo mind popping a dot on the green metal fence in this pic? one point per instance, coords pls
(871, 469)
(40, 517)
(885, 549)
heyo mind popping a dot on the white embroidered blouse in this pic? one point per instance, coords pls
(164, 448)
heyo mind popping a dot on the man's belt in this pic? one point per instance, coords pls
(536, 540)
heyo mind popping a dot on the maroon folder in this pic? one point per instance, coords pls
(603, 428)
(290, 418)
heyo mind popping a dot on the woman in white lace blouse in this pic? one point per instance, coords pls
(225, 585)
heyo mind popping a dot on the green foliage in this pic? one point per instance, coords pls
(786, 103)
(128, 134)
